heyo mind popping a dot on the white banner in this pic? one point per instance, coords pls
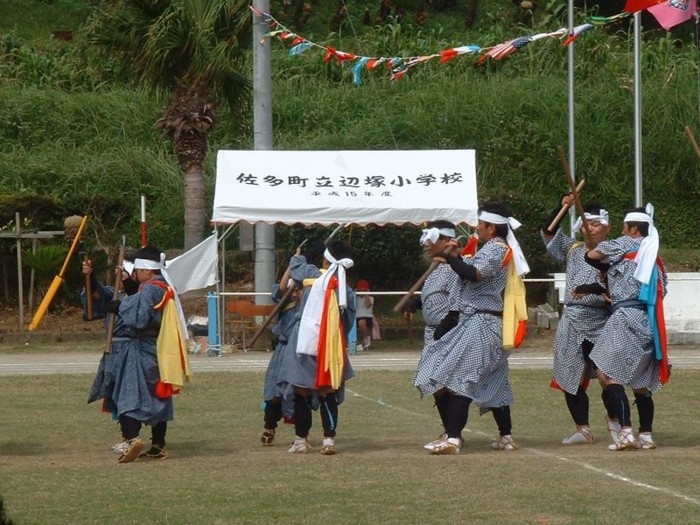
(358, 187)
(196, 268)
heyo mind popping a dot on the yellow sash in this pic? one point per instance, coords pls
(514, 309)
(173, 361)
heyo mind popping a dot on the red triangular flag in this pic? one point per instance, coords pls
(632, 6)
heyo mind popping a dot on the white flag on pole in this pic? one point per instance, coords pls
(195, 269)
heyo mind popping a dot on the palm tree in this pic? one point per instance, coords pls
(191, 49)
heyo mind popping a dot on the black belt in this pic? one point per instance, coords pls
(147, 333)
(630, 303)
(605, 307)
(489, 312)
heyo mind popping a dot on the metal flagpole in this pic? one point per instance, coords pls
(572, 110)
(262, 132)
(638, 108)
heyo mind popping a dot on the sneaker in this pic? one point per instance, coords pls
(430, 446)
(299, 446)
(155, 452)
(267, 436)
(328, 448)
(120, 447)
(447, 447)
(583, 434)
(645, 441)
(134, 448)
(504, 443)
(625, 440)
(614, 429)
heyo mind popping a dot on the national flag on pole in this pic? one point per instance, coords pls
(632, 6)
(673, 12)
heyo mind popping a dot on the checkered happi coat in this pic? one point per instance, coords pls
(583, 318)
(470, 360)
(625, 348)
(440, 290)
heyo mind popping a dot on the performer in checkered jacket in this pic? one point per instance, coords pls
(468, 363)
(441, 288)
(584, 314)
(631, 349)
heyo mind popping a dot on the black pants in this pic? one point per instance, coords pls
(132, 427)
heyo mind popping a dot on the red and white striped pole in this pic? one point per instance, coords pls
(144, 234)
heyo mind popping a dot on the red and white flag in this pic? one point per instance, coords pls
(673, 12)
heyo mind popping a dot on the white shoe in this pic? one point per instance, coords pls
(645, 441)
(583, 434)
(447, 447)
(625, 440)
(328, 447)
(504, 443)
(614, 429)
(120, 448)
(430, 446)
(300, 446)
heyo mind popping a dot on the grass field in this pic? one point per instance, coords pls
(55, 466)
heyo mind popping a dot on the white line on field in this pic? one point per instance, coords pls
(612, 475)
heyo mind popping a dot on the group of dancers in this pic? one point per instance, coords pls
(612, 329)
(473, 304)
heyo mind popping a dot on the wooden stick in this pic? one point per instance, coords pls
(574, 192)
(57, 280)
(565, 208)
(402, 303)
(692, 140)
(88, 292)
(115, 296)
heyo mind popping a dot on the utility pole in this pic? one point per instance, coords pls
(262, 133)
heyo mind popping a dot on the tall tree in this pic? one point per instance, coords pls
(192, 49)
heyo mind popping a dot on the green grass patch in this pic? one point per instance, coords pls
(56, 466)
(36, 19)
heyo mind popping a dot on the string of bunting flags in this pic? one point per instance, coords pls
(671, 12)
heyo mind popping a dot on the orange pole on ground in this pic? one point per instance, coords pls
(58, 280)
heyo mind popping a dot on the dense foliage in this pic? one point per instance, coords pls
(75, 131)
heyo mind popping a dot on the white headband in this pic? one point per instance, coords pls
(649, 247)
(636, 216)
(147, 264)
(338, 266)
(433, 234)
(602, 218)
(521, 266)
(128, 267)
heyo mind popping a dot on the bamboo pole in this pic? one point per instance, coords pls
(402, 302)
(564, 207)
(574, 192)
(692, 140)
(115, 295)
(58, 280)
